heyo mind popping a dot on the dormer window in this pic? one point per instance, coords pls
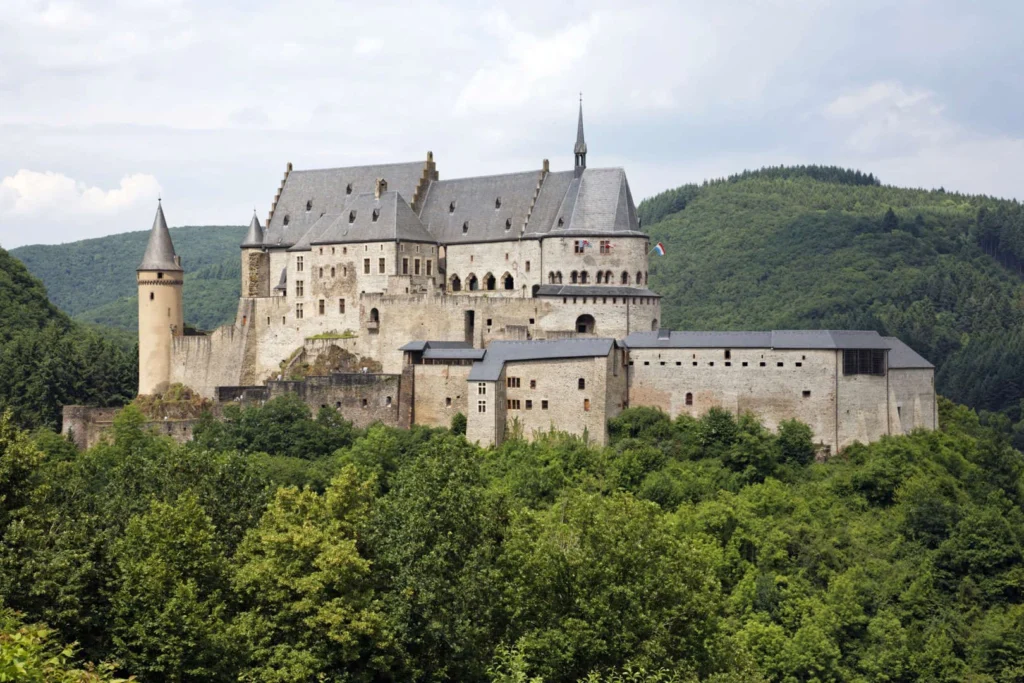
(508, 223)
(561, 221)
(309, 205)
(286, 219)
(348, 189)
(451, 208)
(465, 227)
(497, 203)
(376, 215)
(351, 216)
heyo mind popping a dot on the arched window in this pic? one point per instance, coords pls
(689, 398)
(654, 325)
(536, 289)
(497, 203)
(585, 324)
(456, 283)
(625, 278)
(490, 282)
(374, 315)
(451, 208)
(508, 223)
(348, 189)
(472, 283)
(600, 277)
(558, 277)
(574, 277)
(507, 280)
(639, 278)
(584, 277)
(581, 383)
(608, 277)
(551, 277)
(465, 227)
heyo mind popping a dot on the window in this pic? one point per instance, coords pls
(344, 250)
(728, 364)
(529, 404)
(561, 221)
(321, 271)
(481, 406)
(533, 384)
(512, 382)
(779, 364)
(574, 277)
(341, 305)
(744, 363)
(151, 296)
(405, 266)
(864, 362)
(430, 264)
(586, 405)
(456, 283)
(490, 282)
(465, 227)
(299, 288)
(581, 383)
(508, 223)
(286, 219)
(689, 398)
(159, 276)
(585, 324)
(374, 315)
(625, 278)
(322, 307)
(799, 364)
(366, 266)
(416, 267)
(298, 311)
(298, 264)
(728, 354)
(577, 246)
(497, 203)
(639, 278)
(806, 394)
(309, 205)
(605, 247)
(544, 405)
(531, 319)
(451, 208)
(365, 403)
(481, 389)
(513, 404)
(584, 277)
(508, 282)
(352, 216)
(332, 271)
(448, 401)
(763, 364)
(375, 215)
(348, 189)
(488, 322)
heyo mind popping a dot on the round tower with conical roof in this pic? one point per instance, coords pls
(161, 313)
(255, 262)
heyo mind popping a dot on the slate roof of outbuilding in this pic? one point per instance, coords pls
(775, 339)
(501, 352)
(423, 345)
(160, 250)
(902, 357)
(326, 188)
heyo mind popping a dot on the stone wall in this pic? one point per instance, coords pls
(87, 425)
(913, 393)
(441, 392)
(520, 259)
(362, 399)
(627, 254)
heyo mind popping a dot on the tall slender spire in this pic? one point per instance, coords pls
(581, 144)
(253, 238)
(160, 250)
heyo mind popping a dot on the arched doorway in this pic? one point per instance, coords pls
(507, 282)
(654, 325)
(585, 324)
(490, 283)
(456, 283)
(536, 289)
(472, 284)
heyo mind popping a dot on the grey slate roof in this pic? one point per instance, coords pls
(581, 145)
(253, 238)
(593, 290)
(282, 284)
(454, 354)
(501, 352)
(326, 188)
(598, 202)
(160, 250)
(356, 223)
(423, 345)
(475, 201)
(902, 357)
(776, 339)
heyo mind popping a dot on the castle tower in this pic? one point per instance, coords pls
(255, 262)
(161, 314)
(580, 150)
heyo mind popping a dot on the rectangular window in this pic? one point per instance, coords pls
(806, 394)
(298, 311)
(430, 264)
(344, 250)
(512, 382)
(298, 264)
(529, 404)
(577, 247)
(299, 287)
(481, 406)
(416, 267)
(481, 389)
(322, 309)
(341, 305)
(513, 404)
(864, 362)
(586, 405)
(533, 384)
(381, 265)
(448, 401)
(605, 247)
(527, 266)
(405, 266)
(544, 405)
(366, 266)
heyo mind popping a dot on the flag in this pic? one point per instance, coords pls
(585, 243)
(659, 249)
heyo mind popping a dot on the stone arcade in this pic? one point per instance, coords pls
(520, 300)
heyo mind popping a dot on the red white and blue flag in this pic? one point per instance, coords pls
(659, 249)
(585, 244)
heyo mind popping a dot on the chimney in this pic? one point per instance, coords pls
(547, 166)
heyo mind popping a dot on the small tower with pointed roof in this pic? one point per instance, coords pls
(255, 262)
(161, 313)
(580, 149)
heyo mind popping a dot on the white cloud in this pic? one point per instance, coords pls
(887, 116)
(32, 193)
(368, 46)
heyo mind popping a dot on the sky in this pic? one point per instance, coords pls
(107, 104)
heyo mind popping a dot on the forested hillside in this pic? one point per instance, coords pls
(94, 280)
(818, 247)
(47, 361)
(281, 547)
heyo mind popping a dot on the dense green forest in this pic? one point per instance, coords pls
(94, 280)
(819, 247)
(279, 546)
(48, 360)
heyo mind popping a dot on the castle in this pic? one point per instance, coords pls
(519, 300)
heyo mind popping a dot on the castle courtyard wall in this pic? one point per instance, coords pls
(441, 391)
(362, 399)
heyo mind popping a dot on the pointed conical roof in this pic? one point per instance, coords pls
(581, 144)
(160, 250)
(253, 238)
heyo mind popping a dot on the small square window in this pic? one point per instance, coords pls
(779, 364)
(662, 362)
(799, 364)
(647, 362)
(488, 322)
(728, 364)
(529, 404)
(679, 362)
(711, 363)
(694, 363)
(531, 321)
(544, 405)
(448, 401)
(744, 363)
(806, 394)
(533, 384)
(763, 364)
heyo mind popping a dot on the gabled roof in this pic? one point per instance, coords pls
(902, 357)
(394, 220)
(253, 238)
(492, 208)
(326, 191)
(160, 250)
(501, 352)
(598, 202)
(776, 339)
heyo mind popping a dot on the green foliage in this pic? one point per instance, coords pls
(94, 280)
(458, 425)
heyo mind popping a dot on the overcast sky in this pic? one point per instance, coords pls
(104, 104)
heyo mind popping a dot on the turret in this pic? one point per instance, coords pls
(255, 262)
(161, 313)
